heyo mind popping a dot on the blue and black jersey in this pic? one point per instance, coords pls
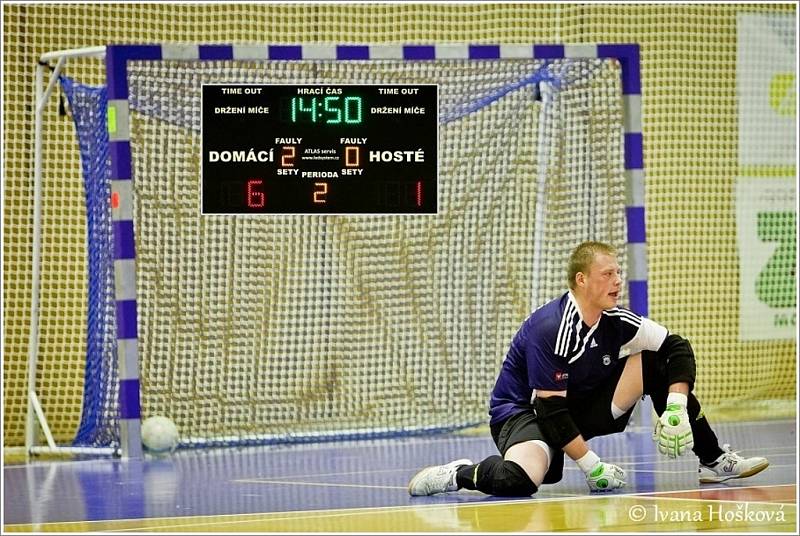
(555, 350)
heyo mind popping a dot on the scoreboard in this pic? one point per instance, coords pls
(319, 149)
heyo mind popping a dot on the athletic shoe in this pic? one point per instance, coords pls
(730, 465)
(436, 479)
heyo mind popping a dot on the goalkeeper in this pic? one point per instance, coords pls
(575, 370)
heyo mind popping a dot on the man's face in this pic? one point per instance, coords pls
(603, 282)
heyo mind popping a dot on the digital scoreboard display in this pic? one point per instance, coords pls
(319, 149)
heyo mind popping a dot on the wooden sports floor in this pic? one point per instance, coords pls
(361, 487)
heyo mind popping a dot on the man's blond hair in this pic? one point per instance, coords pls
(583, 256)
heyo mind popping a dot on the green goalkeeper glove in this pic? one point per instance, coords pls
(673, 431)
(605, 477)
(601, 476)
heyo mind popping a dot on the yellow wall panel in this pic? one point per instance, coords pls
(688, 54)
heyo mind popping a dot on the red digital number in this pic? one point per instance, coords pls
(256, 198)
(320, 191)
(287, 155)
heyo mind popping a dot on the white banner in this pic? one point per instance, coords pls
(766, 220)
(766, 76)
(766, 213)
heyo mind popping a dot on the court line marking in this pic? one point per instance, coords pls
(449, 506)
(410, 469)
(332, 474)
(734, 501)
(456, 434)
(569, 468)
(696, 490)
(372, 486)
(321, 484)
(685, 472)
(656, 455)
(300, 514)
(367, 443)
(280, 479)
(776, 455)
(737, 501)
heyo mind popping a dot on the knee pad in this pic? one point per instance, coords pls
(504, 478)
(515, 481)
(680, 360)
(673, 362)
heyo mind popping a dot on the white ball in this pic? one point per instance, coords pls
(159, 434)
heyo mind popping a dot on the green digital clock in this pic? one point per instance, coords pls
(329, 110)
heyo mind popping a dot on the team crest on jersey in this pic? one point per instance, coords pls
(561, 376)
(606, 359)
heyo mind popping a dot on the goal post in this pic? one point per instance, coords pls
(35, 416)
(257, 329)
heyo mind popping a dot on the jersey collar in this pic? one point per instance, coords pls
(572, 299)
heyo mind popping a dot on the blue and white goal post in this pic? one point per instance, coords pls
(112, 425)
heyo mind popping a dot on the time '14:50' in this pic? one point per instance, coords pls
(329, 110)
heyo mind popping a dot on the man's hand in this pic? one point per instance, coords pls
(673, 431)
(605, 477)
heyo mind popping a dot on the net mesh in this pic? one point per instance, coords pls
(300, 327)
(100, 389)
(690, 114)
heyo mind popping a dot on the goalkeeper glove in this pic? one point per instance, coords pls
(673, 431)
(600, 476)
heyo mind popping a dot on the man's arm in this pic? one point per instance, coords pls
(675, 357)
(680, 387)
(647, 335)
(559, 429)
(575, 447)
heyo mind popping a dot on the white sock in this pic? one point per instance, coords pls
(617, 412)
(587, 461)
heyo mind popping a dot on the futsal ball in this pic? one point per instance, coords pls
(159, 434)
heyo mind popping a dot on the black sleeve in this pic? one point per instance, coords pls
(552, 416)
(678, 355)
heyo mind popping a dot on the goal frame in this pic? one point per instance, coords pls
(116, 58)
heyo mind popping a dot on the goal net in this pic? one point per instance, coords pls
(254, 329)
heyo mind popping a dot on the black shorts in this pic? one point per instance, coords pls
(523, 427)
(590, 411)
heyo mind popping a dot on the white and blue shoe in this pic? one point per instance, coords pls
(730, 465)
(436, 479)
